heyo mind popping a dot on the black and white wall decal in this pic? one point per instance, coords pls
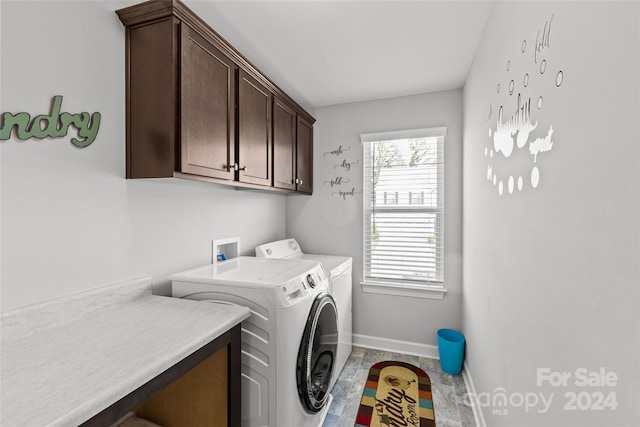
(521, 126)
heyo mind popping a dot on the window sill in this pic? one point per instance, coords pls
(407, 290)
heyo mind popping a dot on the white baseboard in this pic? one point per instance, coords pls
(471, 391)
(422, 350)
(397, 346)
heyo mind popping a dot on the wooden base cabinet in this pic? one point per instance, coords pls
(198, 398)
(204, 389)
(197, 109)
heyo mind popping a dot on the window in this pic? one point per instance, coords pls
(404, 212)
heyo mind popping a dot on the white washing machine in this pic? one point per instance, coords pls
(289, 341)
(339, 269)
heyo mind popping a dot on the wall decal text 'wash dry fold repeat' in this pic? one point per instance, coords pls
(337, 181)
(513, 128)
(52, 125)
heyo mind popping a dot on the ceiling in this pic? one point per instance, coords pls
(333, 52)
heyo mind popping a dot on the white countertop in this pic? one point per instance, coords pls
(65, 360)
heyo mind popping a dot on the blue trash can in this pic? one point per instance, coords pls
(451, 350)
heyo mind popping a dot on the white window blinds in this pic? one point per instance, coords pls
(404, 207)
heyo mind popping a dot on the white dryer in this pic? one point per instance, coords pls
(339, 269)
(289, 342)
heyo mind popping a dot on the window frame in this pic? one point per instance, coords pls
(433, 289)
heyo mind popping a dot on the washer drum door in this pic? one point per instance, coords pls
(317, 354)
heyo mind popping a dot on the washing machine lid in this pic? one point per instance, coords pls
(249, 272)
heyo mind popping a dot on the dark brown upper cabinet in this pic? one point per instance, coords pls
(304, 157)
(292, 149)
(197, 109)
(207, 108)
(254, 131)
(284, 145)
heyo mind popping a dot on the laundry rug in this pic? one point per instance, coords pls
(396, 394)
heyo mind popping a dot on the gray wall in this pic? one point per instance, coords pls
(70, 221)
(328, 223)
(551, 274)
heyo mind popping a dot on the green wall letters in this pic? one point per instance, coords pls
(53, 125)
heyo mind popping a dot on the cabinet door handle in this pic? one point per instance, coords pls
(244, 168)
(229, 167)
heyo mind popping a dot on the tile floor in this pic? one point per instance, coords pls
(448, 390)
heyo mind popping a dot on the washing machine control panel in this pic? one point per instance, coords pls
(297, 289)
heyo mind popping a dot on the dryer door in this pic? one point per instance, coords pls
(317, 354)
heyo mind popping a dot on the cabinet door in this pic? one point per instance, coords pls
(284, 145)
(304, 157)
(207, 121)
(254, 131)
